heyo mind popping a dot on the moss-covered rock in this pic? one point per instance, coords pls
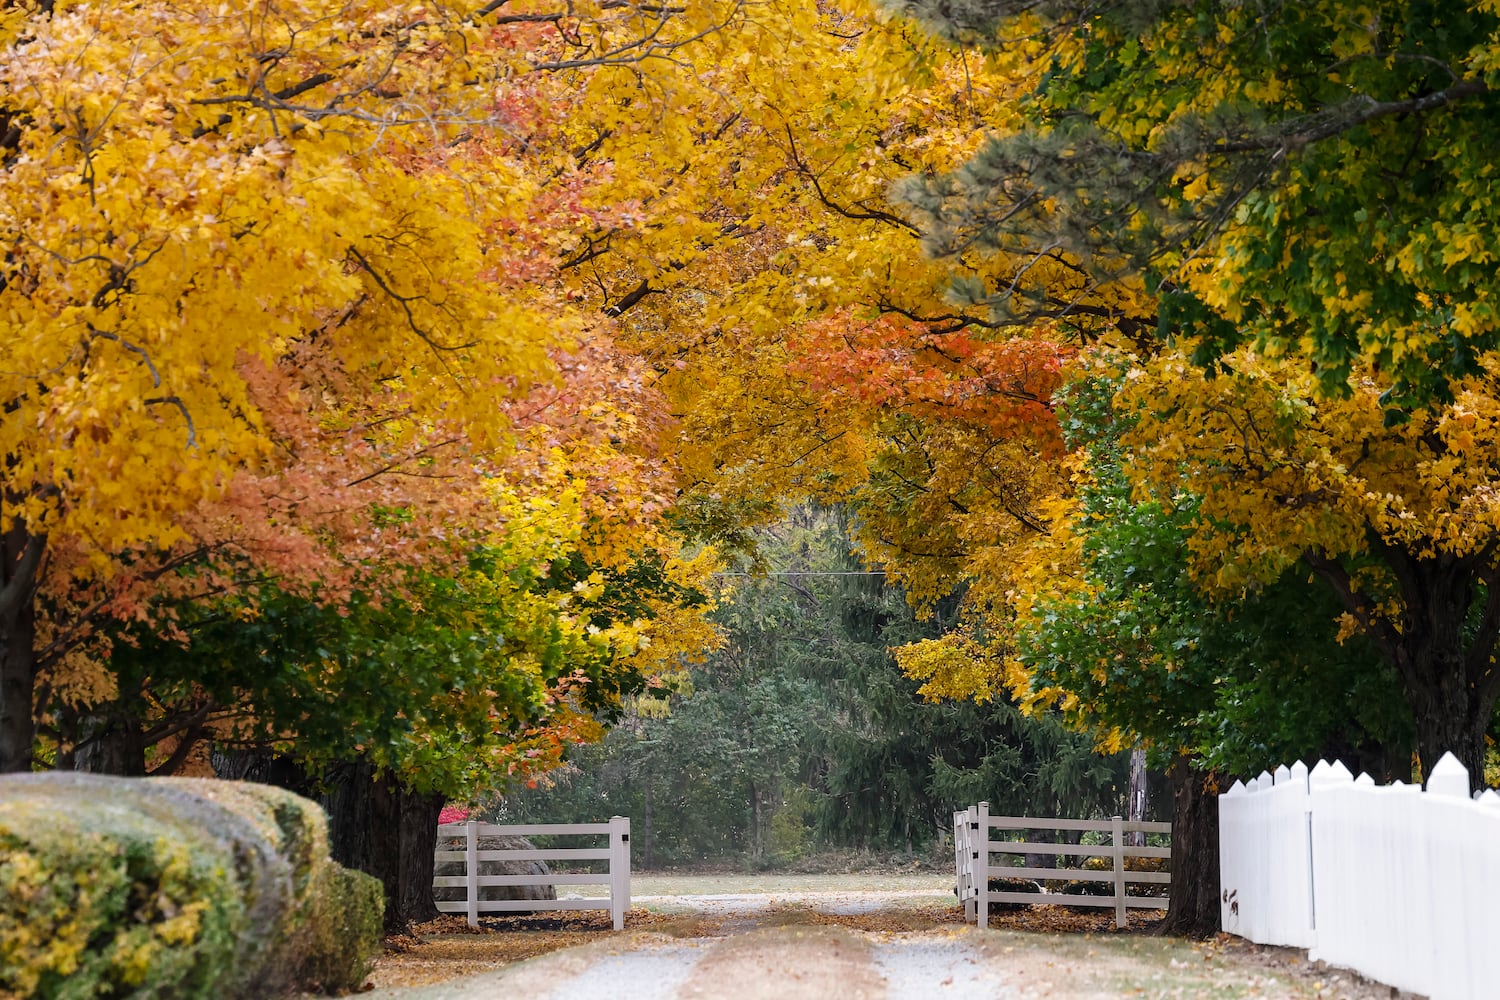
(172, 887)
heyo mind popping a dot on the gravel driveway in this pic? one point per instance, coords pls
(790, 945)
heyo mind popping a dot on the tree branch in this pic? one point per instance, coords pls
(1355, 601)
(20, 575)
(1351, 114)
(865, 212)
(633, 297)
(405, 301)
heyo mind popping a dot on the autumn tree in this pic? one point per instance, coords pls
(1302, 190)
(1307, 179)
(207, 280)
(466, 687)
(1112, 626)
(801, 733)
(1396, 520)
(808, 346)
(273, 306)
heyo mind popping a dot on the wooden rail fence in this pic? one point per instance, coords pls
(617, 878)
(973, 847)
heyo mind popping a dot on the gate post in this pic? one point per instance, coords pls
(1117, 835)
(979, 854)
(619, 869)
(471, 872)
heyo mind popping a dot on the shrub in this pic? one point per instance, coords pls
(344, 929)
(1013, 885)
(168, 887)
(453, 814)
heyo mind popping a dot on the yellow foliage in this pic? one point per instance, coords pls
(200, 191)
(952, 666)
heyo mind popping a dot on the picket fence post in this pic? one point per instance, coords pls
(619, 869)
(971, 817)
(960, 852)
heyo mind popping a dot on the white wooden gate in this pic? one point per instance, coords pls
(973, 847)
(617, 878)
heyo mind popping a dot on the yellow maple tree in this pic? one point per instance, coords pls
(271, 274)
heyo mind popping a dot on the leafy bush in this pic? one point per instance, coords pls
(344, 929)
(1156, 890)
(172, 887)
(1013, 885)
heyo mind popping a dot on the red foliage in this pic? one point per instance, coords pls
(891, 365)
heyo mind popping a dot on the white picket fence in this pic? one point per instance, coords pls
(973, 846)
(1396, 883)
(617, 878)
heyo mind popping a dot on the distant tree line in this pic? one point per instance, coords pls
(801, 734)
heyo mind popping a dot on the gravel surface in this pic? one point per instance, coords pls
(654, 970)
(935, 968)
(896, 944)
(737, 904)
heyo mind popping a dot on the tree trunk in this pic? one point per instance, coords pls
(111, 743)
(1450, 712)
(418, 838)
(17, 682)
(1135, 807)
(1442, 652)
(1193, 910)
(374, 825)
(20, 556)
(757, 844)
(260, 766)
(388, 831)
(364, 830)
(1039, 860)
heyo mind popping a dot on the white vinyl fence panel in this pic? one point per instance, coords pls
(1394, 882)
(616, 878)
(974, 848)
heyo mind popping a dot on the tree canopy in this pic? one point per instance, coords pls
(418, 362)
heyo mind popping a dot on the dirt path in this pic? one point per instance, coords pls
(796, 943)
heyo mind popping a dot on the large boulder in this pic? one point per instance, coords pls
(538, 868)
(158, 887)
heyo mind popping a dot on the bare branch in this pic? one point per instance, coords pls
(134, 349)
(405, 301)
(393, 465)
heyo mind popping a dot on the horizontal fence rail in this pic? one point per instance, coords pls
(616, 878)
(1394, 882)
(974, 848)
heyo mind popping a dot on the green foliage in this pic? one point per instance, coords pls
(1313, 178)
(172, 887)
(1236, 684)
(470, 660)
(802, 734)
